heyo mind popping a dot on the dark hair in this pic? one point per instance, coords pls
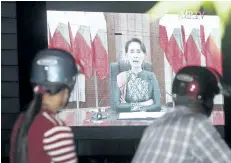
(142, 47)
(28, 118)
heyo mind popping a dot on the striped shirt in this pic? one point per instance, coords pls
(49, 140)
(181, 136)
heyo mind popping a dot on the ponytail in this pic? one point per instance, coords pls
(28, 118)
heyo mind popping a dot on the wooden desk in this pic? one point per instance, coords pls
(83, 117)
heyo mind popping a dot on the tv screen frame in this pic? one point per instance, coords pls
(40, 35)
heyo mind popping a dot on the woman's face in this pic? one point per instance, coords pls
(135, 55)
(56, 101)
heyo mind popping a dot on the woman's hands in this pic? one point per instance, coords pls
(147, 103)
(137, 107)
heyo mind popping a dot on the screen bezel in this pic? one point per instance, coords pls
(39, 19)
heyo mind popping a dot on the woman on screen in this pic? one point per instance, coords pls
(38, 135)
(138, 89)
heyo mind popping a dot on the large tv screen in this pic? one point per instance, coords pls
(129, 61)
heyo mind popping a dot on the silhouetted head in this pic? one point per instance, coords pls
(196, 87)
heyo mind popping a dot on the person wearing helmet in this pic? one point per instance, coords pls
(38, 135)
(185, 134)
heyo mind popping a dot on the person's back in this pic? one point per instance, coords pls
(184, 134)
(49, 139)
(38, 135)
(183, 137)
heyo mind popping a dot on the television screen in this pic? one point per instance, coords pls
(129, 61)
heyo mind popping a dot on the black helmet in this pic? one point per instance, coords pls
(53, 70)
(198, 83)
